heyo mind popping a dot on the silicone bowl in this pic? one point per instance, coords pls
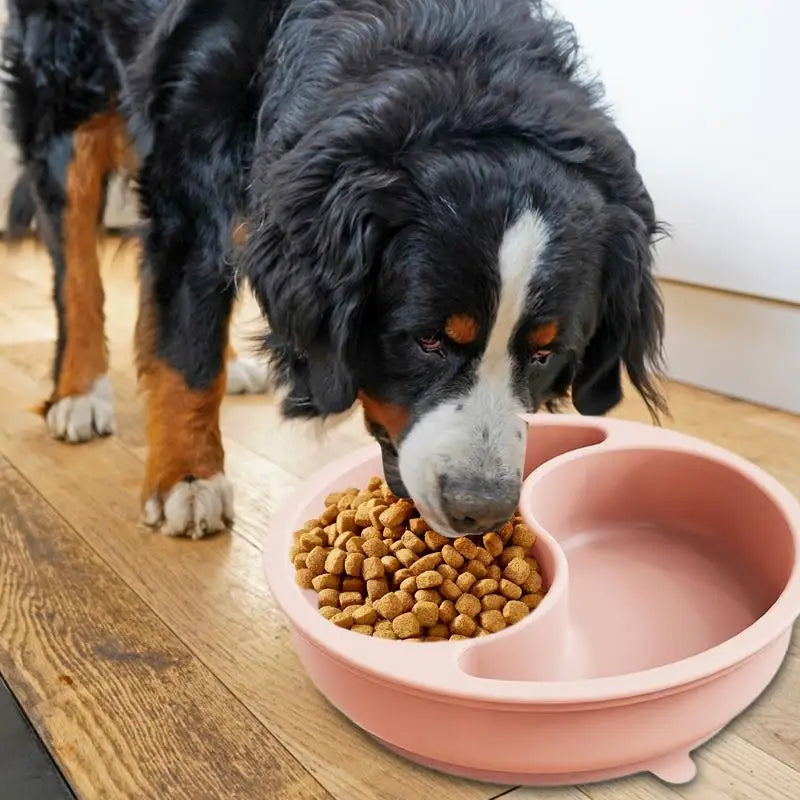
(673, 585)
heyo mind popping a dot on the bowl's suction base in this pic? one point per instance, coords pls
(674, 768)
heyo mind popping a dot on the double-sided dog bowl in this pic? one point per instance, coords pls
(673, 585)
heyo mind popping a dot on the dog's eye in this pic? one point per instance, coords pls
(431, 343)
(541, 356)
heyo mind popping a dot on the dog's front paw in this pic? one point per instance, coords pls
(248, 376)
(79, 418)
(193, 508)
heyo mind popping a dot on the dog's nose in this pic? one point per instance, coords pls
(478, 505)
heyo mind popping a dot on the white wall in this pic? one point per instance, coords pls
(708, 92)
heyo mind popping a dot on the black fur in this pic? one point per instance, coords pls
(379, 151)
(21, 209)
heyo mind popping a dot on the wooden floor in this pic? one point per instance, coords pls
(157, 668)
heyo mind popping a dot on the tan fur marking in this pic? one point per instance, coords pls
(99, 146)
(462, 328)
(391, 417)
(543, 335)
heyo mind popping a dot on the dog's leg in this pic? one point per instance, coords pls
(70, 187)
(187, 293)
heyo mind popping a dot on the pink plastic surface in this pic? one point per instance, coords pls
(673, 579)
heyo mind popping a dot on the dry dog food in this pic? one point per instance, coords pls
(378, 570)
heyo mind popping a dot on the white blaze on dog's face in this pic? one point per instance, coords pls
(462, 461)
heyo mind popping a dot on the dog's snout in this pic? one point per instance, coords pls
(476, 505)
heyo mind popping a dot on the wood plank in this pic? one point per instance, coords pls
(558, 793)
(214, 593)
(124, 707)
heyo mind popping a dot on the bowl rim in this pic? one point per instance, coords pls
(361, 655)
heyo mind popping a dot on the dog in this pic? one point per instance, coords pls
(437, 216)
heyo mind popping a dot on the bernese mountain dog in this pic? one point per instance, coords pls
(438, 216)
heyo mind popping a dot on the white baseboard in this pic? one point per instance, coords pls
(736, 345)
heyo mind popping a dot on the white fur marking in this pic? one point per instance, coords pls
(479, 436)
(192, 508)
(79, 418)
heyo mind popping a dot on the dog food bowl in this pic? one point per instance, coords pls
(673, 585)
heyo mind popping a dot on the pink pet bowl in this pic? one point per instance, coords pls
(672, 568)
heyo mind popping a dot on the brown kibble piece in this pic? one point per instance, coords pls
(430, 638)
(484, 587)
(389, 606)
(466, 547)
(400, 575)
(304, 578)
(351, 584)
(342, 539)
(364, 630)
(372, 569)
(328, 597)
(430, 595)
(506, 532)
(517, 571)
(409, 584)
(449, 590)
(365, 615)
(447, 611)
(374, 547)
(406, 557)
(334, 563)
(329, 611)
(485, 557)
(429, 579)
(493, 544)
(452, 557)
(377, 588)
(514, 611)
(375, 516)
(493, 602)
(468, 604)
(396, 514)
(329, 515)
(384, 634)
(511, 552)
(435, 541)
(533, 583)
(494, 572)
(447, 572)
(427, 613)
(370, 534)
(350, 599)
(406, 626)
(477, 568)
(439, 629)
(413, 542)
(375, 483)
(532, 600)
(343, 620)
(523, 536)
(346, 521)
(315, 561)
(354, 545)
(406, 599)
(463, 625)
(325, 581)
(457, 637)
(465, 581)
(492, 621)
(424, 563)
(299, 560)
(309, 540)
(510, 589)
(390, 564)
(418, 525)
(384, 626)
(353, 564)
(333, 498)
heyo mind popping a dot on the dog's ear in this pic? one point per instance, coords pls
(630, 325)
(311, 260)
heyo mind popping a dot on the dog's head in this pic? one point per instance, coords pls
(453, 263)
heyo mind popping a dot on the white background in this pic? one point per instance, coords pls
(708, 92)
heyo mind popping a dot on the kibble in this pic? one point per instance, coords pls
(379, 570)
